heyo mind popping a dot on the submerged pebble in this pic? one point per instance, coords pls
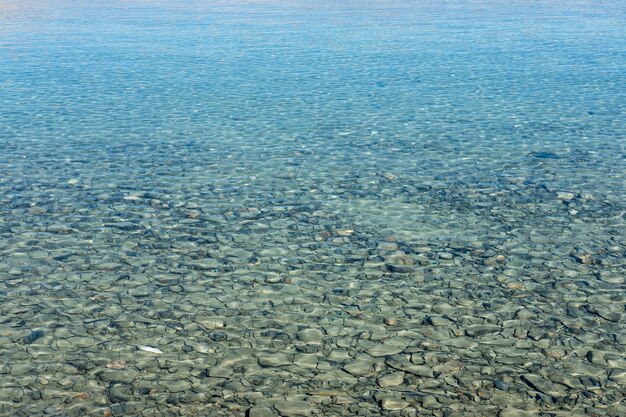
(33, 336)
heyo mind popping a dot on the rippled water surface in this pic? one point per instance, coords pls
(312, 208)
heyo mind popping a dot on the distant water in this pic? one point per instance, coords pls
(312, 208)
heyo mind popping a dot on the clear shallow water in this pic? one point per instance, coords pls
(374, 208)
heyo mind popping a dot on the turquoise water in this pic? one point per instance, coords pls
(312, 208)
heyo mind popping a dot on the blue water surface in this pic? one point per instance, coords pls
(211, 179)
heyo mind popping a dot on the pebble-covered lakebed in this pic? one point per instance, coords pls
(329, 216)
